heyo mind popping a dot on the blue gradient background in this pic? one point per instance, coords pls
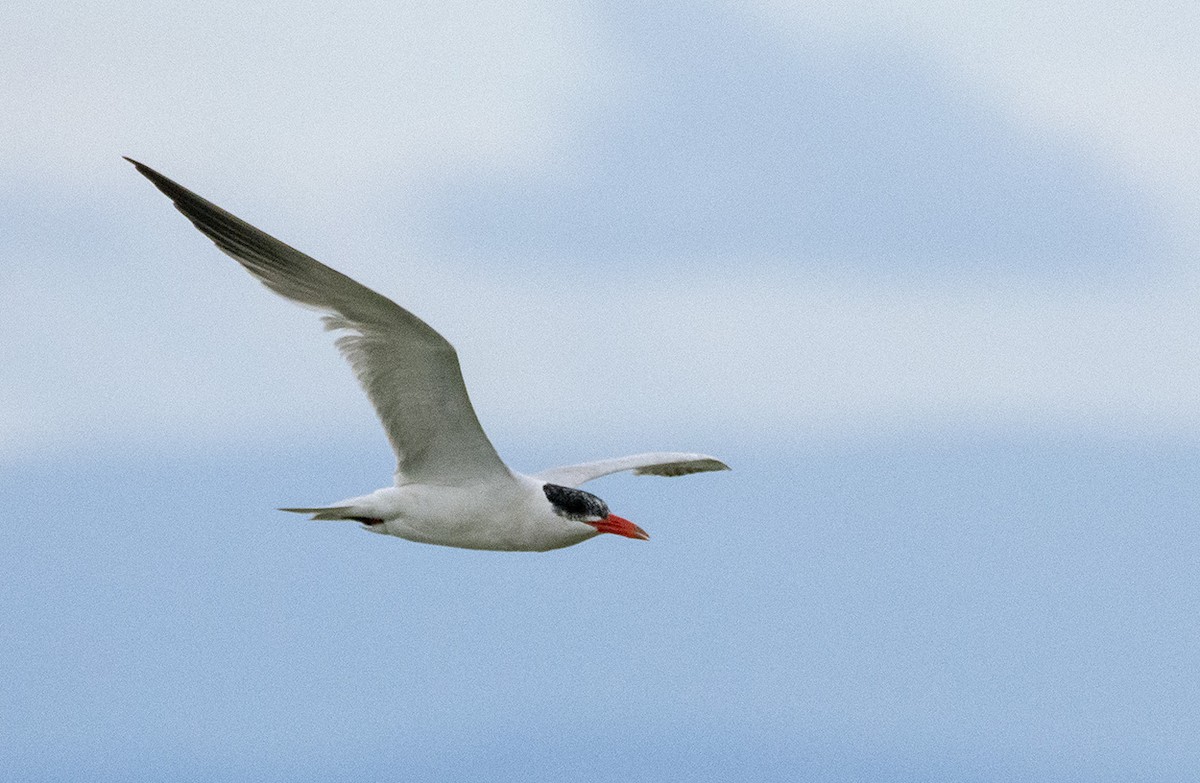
(975, 610)
(976, 592)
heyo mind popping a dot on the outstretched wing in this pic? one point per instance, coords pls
(408, 370)
(658, 463)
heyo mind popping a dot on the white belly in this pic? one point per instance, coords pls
(505, 517)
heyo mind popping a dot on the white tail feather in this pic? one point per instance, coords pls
(326, 512)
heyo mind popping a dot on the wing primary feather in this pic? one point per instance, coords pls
(409, 371)
(651, 464)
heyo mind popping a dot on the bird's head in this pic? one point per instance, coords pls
(580, 506)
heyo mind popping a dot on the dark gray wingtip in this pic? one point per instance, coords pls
(141, 167)
(170, 187)
(672, 469)
(252, 248)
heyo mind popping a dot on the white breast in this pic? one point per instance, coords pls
(508, 516)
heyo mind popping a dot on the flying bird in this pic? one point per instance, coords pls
(451, 487)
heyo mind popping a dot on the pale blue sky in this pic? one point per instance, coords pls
(730, 141)
(923, 275)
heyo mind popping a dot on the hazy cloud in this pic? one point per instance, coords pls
(425, 148)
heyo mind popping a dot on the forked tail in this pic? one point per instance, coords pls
(336, 513)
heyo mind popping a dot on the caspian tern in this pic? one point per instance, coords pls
(451, 488)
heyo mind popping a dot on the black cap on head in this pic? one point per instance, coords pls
(575, 503)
